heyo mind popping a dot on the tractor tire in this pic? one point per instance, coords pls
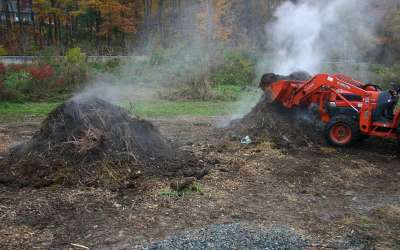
(342, 131)
(398, 136)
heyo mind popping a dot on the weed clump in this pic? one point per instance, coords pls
(182, 188)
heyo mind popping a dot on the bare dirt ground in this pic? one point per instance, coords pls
(347, 198)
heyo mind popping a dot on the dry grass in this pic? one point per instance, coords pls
(389, 214)
(360, 169)
(360, 221)
(5, 142)
(17, 236)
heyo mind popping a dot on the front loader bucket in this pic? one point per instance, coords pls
(279, 91)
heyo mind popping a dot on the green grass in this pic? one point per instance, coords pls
(178, 108)
(229, 92)
(13, 111)
(146, 109)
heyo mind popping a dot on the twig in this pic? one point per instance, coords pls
(79, 245)
(322, 246)
(100, 118)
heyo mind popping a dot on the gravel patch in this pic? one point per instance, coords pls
(232, 236)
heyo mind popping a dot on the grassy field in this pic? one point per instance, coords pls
(237, 100)
(146, 109)
(16, 111)
(177, 108)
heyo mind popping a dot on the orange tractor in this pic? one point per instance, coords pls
(350, 110)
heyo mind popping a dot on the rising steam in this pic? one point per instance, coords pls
(307, 34)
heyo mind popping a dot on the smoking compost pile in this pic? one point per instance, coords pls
(271, 121)
(94, 143)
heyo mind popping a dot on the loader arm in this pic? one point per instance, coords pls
(322, 86)
(325, 82)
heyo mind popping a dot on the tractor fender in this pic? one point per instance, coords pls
(343, 111)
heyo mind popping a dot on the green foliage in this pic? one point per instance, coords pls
(39, 81)
(386, 75)
(50, 81)
(238, 69)
(181, 68)
(74, 75)
(109, 66)
(74, 70)
(3, 51)
(192, 75)
(20, 81)
(228, 92)
(15, 85)
(75, 56)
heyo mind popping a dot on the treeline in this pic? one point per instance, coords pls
(118, 26)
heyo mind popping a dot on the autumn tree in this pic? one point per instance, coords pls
(113, 26)
(113, 17)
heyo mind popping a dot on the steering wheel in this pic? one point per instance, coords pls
(396, 88)
(372, 87)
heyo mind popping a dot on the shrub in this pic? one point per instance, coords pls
(16, 84)
(74, 69)
(75, 56)
(386, 75)
(109, 66)
(2, 69)
(19, 81)
(237, 69)
(112, 64)
(41, 73)
(17, 67)
(3, 51)
(1, 90)
(74, 75)
(184, 191)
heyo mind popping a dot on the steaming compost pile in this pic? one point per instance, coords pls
(94, 143)
(232, 236)
(284, 127)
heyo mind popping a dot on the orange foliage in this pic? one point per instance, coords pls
(214, 19)
(116, 15)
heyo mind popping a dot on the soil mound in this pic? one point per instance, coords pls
(271, 121)
(94, 143)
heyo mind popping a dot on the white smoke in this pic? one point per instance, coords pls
(306, 34)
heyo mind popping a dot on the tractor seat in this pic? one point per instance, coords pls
(385, 107)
